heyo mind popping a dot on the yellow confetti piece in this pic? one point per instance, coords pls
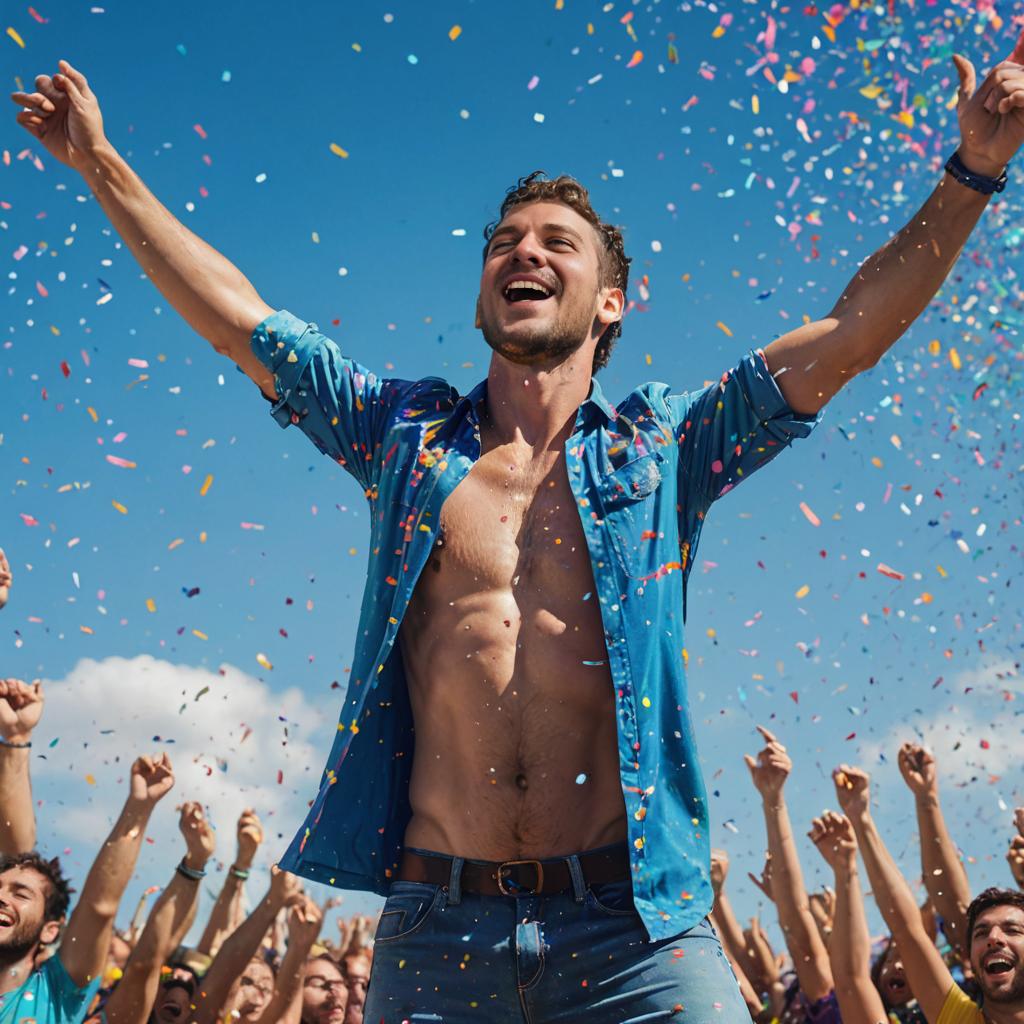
(755, 104)
(590, 28)
(954, 358)
(718, 32)
(91, 780)
(338, 151)
(454, 32)
(722, 327)
(647, 359)
(14, 35)
(200, 634)
(150, 604)
(120, 508)
(646, 702)
(638, 56)
(264, 661)
(202, 537)
(206, 485)
(803, 592)
(926, 598)
(934, 347)
(92, 412)
(942, 572)
(876, 462)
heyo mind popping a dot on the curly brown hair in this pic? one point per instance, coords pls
(988, 898)
(58, 892)
(538, 187)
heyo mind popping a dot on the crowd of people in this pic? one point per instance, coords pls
(953, 959)
(65, 964)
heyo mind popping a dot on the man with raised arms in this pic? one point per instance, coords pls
(544, 842)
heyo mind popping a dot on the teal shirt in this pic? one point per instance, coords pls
(644, 474)
(48, 996)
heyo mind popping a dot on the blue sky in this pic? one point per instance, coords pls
(747, 195)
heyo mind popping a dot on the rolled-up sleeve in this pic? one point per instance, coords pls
(341, 406)
(733, 427)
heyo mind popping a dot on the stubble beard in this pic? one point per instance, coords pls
(1014, 994)
(23, 940)
(540, 344)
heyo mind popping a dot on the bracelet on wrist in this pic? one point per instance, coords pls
(193, 874)
(979, 182)
(240, 873)
(15, 746)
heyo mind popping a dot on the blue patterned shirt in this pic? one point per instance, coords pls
(644, 474)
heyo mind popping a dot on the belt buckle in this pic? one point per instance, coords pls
(512, 863)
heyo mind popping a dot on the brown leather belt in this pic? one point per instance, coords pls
(517, 877)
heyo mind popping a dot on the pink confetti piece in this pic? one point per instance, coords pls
(638, 56)
(199, 130)
(809, 513)
(888, 570)
(116, 460)
(142, 364)
(28, 520)
(20, 251)
(533, 82)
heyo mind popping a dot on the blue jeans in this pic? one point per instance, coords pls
(442, 956)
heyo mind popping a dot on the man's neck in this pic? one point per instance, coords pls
(999, 1013)
(535, 404)
(15, 968)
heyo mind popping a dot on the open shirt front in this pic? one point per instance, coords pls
(643, 473)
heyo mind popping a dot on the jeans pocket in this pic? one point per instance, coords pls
(408, 908)
(615, 899)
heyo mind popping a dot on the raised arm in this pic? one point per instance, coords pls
(729, 930)
(169, 920)
(896, 284)
(21, 706)
(945, 877)
(304, 921)
(769, 772)
(929, 978)
(1015, 854)
(207, 290)
(850, 946)
(249, 833)
(242, 944)
(84, 946)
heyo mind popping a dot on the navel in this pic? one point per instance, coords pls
(521, 783)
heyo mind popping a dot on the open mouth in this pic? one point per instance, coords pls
(526, 291)
(6, 919)
(997, 964)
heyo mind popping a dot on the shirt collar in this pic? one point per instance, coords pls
(595, 398)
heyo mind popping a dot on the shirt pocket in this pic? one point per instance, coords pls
(629, 504)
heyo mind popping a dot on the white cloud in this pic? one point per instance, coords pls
(228, 736)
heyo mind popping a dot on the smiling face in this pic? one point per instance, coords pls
(997, 953)
(541, 292)
(892, 979)
(23, 924)
(173, 1001)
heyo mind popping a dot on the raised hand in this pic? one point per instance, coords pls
(64, 115)
(199, 835)
(764, 880)
(21, 706)
(285, 888)
(1015, 858)
(719, 869)
(917, 766)
(304, 922)
(5, 578)
(853, 791)
(991, 117)
(1018, 819)
(771, 768)
(833, 836)
(152, 779)
(250, 834)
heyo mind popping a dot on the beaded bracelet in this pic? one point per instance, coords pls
(192, 874)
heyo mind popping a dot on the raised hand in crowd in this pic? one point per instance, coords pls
(1015, 854)
(5, 578)
(84, 947)
(139, 991)
(850, 945)
(21, 706)
(239, 982)
(305, 919)
(729, 930)
(769, 771)
(944, 875)
(249, 836)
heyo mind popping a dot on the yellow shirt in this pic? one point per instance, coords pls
(959, 1008)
